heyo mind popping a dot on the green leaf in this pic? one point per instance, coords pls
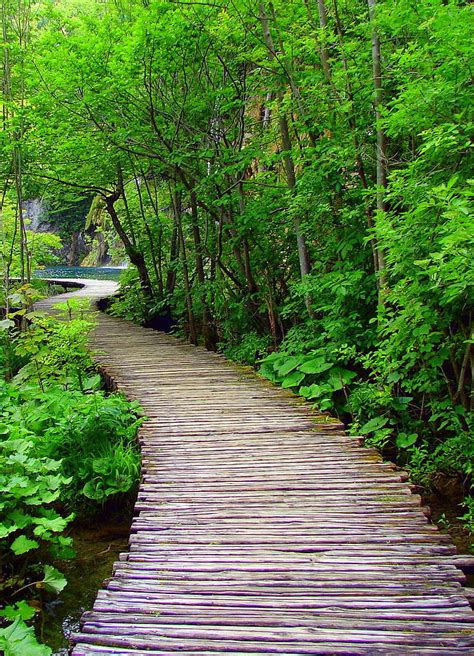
(53, 580)
(93, 490)
(305, 391)
(315, 391)
(21, 610)
(102, 465)
(5, 531)
(404, 440)
(22, 545)
(267, 370)
(315, 366)
(62, 548)
(93, 383)
(344, 375)
(18, 639)
(373, 424)
(56, 524)
(293, 379)
(289, 364)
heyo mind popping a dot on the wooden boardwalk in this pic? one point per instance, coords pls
(258, 529)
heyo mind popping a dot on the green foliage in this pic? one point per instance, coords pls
(30, 485)
(56, 351)
(468, 516)
(253, 198)
(250, 348)
(42, 246)
(65, 445)
(244, 174)
(18, 639)
(131, 304)
(21, 609)
(94, 435)
(87, 440)
(312, 376)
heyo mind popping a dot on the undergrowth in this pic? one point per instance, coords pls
(67, 450)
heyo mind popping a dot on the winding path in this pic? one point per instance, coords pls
(258, 528)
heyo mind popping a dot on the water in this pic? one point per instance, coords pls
(97, 273)
(97, 548)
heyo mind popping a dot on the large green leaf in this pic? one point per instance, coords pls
(21, 610)
(339, 377)
(55, 524)
(404, 440)
(289, 364)
(373, 424)
(5, 530)
(293, 379)
(315, 391)
(5, 324)
(22, 545)
(315, 366)
(53, 580)
(18, 639)
(93, 489)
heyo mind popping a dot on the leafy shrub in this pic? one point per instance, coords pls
(131, 304)
(56, 351)
(92, 436)
(250, 349)
(468, 517)
(64, 445)
(314, 375)
(30, 484)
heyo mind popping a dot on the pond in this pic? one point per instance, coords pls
(97, 273)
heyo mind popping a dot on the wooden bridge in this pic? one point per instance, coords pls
(258, 528)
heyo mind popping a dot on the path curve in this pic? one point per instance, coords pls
(258, 529)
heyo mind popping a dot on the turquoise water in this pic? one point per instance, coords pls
(98, 273)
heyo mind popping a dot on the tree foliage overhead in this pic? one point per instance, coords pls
(290, 175)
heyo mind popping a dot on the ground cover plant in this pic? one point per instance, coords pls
(67, 451)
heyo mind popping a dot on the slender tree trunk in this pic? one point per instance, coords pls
(135, 256)
(303, 256)
(16, 136)
(208, 333)
(323, 51)
(184, 263)
(24, 252)
(129, 218)
(158, 254)
(151, 240)
(174, 255)
(381, 148)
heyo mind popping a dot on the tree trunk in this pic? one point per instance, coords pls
(324, 52)
(136, 257)
(151, 241)
(381, 147)
(359, 162)
(207, 331)
(184, 262)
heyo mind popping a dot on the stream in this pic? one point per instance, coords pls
(97, 548)
(96, 273)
